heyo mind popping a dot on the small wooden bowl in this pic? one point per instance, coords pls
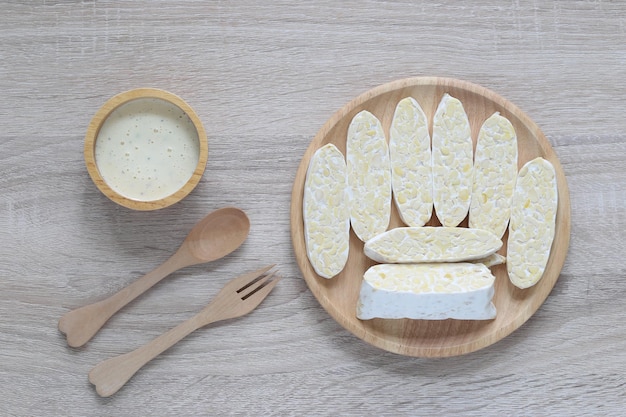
(114, 166)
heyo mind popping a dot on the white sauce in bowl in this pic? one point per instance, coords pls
(147, 149)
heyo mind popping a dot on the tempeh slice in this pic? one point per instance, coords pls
(452, 154)
(369, 176)
(495, 173)
(533, 222)
(326, 211)
(491, 260)
(461, 291)
(431, 244)
(411, 170)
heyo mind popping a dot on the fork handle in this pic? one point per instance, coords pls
(111, 375)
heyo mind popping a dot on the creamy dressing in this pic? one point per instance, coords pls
(147, 149)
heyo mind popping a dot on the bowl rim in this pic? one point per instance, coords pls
(94, 129)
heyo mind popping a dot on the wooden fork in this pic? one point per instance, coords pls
(238, 297)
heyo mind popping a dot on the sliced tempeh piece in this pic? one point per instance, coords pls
(495, 173)
(491, 260)
(431, 244)
(533, 222)
(411, 170)
(427, 291)
(452, 161)
(326, 211)
(369, 176)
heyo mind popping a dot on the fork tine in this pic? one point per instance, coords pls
(241, 281)
(255, 285)
(256, 296)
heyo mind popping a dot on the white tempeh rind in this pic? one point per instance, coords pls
(411, 170)
(326, 211)
(495, 173)
(431, 244)
(461, 291)
(533, 222)
(369, 176)
(452, 154)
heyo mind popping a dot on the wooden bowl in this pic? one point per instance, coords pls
(431, 338)
(146, 149)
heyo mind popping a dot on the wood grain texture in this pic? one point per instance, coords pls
(425, 338)
(264, 77)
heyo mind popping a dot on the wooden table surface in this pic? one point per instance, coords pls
(264, 77)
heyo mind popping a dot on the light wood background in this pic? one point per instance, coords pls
(264, 77)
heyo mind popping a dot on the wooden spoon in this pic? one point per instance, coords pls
(213, 237)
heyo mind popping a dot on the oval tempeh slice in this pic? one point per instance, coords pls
(411, 170)
(495, 173)
(461, 291)
(452, 154)
(431, 244)
(369, 176)
(326, 211)
(533, 222)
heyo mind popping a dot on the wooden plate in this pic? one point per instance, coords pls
(425, 338)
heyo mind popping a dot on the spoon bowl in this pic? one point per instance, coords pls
(212, 238)
(217, 235)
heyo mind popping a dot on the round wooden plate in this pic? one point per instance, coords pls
(426, 338)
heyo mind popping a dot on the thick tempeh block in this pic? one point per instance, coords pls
(461, 291)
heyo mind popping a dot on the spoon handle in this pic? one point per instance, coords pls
(111, 375)
(82, 324)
